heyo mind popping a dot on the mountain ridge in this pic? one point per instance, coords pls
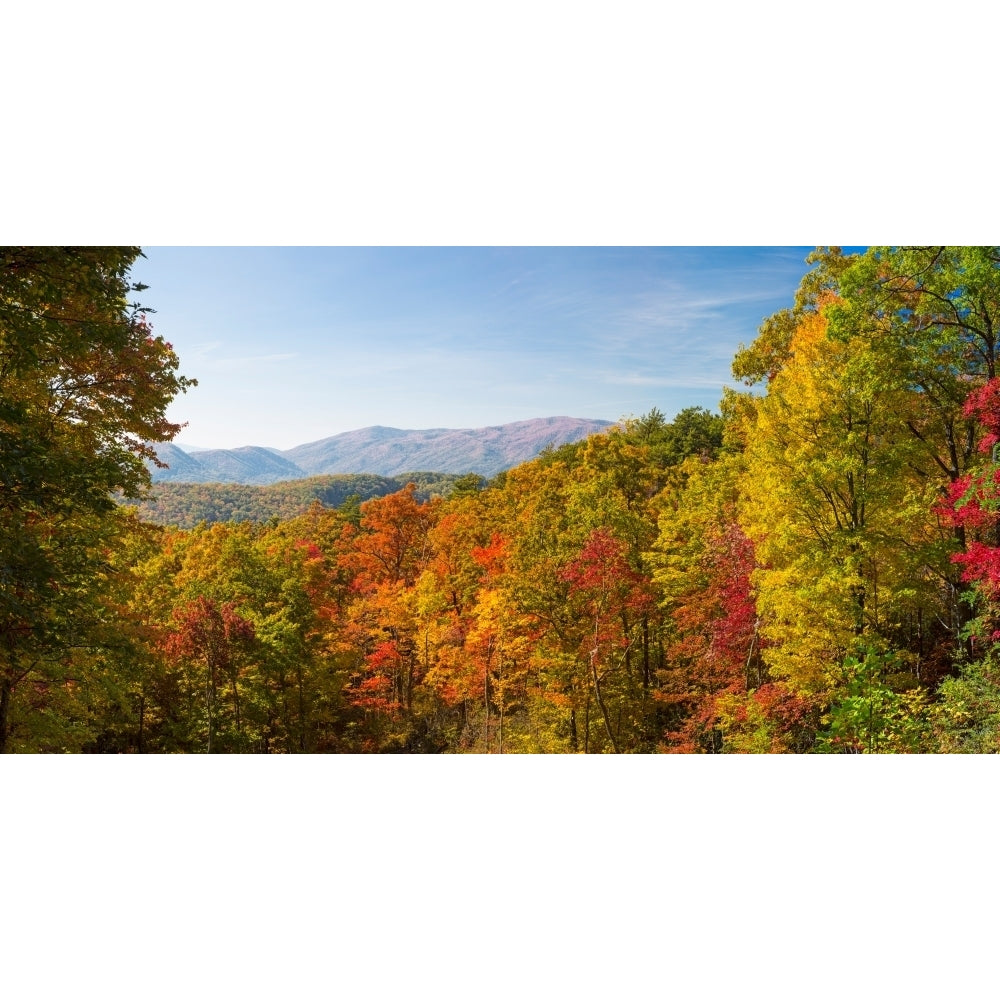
(379, 450)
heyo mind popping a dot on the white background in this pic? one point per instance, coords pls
(435, 122)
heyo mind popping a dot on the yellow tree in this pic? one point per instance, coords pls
(466, 553)
(839, 522)
(543, 537)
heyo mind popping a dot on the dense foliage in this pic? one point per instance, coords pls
(815, 570)
(84, 387)
(184, 505)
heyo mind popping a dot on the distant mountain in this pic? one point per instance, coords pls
(256, 466)
(389, 451)
(382, 451)
(181, 466)
(251, 466)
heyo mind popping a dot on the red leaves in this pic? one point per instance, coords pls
(393, 541)
(961, 506)
(309, 549)
(982, 566)
(204, 628)
(717, 642)
(973, 500)
(717, 621)
(731, 561)
(385, 655)
(375, 691)
(382, 684)
(983, 404)
(493, 557)
(603, 577)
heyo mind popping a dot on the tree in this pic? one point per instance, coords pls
(842, 525)
(967, 714)
(933, 313)
(768, 354)
(966, 717)
(694, 431)
(393, 541)
(973, 501)
(213, 634)
(869, 715)
(84, 387)
(714, 687)
(609, 594)
(386, 557)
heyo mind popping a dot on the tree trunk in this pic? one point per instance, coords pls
(645, 653)
(597, 692)
(210, 700)
(962, 610)
(302, 708)
(286, 716)
(5, 688)
(236, 701)
(628, 648)
(600, 702)
(486, 702)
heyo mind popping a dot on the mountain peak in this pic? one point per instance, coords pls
(384, 451)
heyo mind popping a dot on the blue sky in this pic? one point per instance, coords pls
(290, 345)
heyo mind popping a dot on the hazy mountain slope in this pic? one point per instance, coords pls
(249, 465)
(246, 465)
(382, 451)
(182, 467)
(389, 451)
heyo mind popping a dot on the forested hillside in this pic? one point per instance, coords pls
(814, 569)
(184, 505)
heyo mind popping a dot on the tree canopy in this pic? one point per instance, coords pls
(84, 387)
(815, 569)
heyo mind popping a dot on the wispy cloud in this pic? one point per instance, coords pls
(709, 295)
(679, 311)
(203, 355)
(255, 359)
(685, 381)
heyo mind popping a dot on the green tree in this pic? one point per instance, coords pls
(694, 431)
(966, 716)
(873, 712)
(84, 387)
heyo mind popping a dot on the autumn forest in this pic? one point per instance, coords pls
(813, 569)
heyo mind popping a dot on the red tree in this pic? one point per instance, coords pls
(612, 595)
(206, 631)
(973, 500)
